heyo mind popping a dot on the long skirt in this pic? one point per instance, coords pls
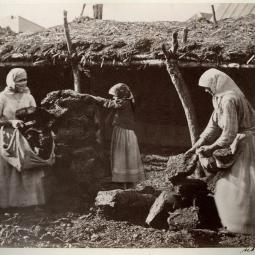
(235, 192)
(125, 156)
(20, 189)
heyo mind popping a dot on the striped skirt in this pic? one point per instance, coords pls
(125, 156)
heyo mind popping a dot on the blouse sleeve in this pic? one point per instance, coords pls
(32, 101)
(1, 107)
(229, 123)
(108, 103)
(3, 119)
(212, 130)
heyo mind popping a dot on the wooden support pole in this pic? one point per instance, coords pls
(75, 69)
(174, 42)
(98, 11)
(214, 16)
(250, 59)
(82, 10)
(183, 93)
(185, 35)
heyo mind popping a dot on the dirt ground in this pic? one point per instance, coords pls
(73, 221)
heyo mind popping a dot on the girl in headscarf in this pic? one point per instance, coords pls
(126, 161)
(232, 124)
(25, 188)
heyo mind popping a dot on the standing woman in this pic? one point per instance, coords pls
(126, 160)
(25, 188)
(232, 124)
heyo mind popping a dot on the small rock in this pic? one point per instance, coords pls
(94, 237)
(85, 216)
(46, 237)
(38, 231)
(135, 236)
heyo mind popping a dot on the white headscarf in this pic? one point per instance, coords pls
(219, 83)
(16, 81)
(122, 91)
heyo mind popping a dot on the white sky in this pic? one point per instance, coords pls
(50, 12)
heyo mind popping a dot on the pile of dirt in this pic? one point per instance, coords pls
(155, 167)
(80, 156)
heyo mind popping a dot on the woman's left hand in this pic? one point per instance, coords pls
(17, 123)
(206, 150)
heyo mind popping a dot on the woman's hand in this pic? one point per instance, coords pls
(17, 123)
(206, 150)
(95, 99)
(190, 152)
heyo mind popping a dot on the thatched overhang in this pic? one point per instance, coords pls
(111, 43)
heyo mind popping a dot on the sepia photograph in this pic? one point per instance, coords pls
(127, 125)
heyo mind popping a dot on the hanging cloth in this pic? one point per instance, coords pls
(15, 149)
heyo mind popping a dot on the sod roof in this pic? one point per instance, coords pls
(232, 41)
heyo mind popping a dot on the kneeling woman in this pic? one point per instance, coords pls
(232, 124)
(25, 188)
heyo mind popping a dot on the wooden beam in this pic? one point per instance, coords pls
(175, 44)
(146, 63)
(82, 10)
(185, 35)
(250, 59)
(97, 11)
(214, 16)
(161, 63)
(75, 69)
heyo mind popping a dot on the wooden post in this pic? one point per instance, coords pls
(250, 59)
(174, 42)
(214, 16)
(82, 11)
(182, 90)
(75, 69)
(98, 11)
(185, 35)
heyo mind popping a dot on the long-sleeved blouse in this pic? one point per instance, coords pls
(124, 113)
(232, 114)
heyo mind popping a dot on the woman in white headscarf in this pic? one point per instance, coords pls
(232, 123)
(126, 160)
(25, 188)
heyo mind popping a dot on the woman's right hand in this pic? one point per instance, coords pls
(91, 97)
(190, 152)
(17, 123)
